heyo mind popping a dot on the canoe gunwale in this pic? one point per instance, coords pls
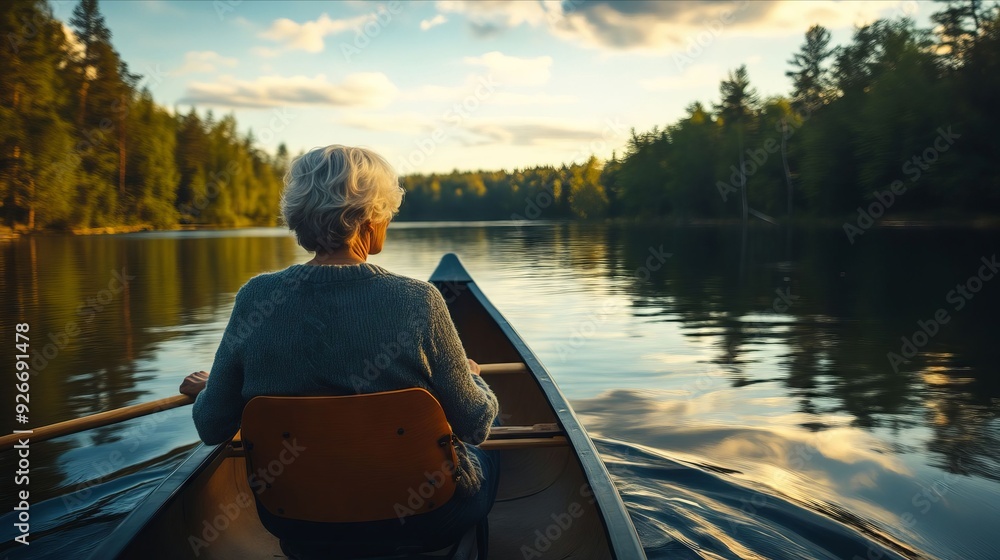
(157, 501)
(621, 533)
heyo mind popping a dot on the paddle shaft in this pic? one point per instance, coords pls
(95, 420)
(135, 411)
(508, 368)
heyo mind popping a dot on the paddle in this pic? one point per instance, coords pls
(96, 420)
(137, 410)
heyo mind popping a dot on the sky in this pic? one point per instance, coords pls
(436, 86)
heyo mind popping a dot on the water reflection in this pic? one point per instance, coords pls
(775, 477)
(111, 318)
(851, 306)
(731, 357)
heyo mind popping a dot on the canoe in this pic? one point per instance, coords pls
(555, 498)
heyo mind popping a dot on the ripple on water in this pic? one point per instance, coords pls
(686, 510)
(72, 525)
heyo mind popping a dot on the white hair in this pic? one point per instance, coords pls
(330, 192)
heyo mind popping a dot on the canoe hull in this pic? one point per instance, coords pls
(554, 501)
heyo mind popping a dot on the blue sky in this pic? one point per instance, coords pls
(468, 85)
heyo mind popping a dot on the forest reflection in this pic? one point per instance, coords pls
(850, 306)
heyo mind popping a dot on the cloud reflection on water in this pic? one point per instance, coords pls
(771, 462)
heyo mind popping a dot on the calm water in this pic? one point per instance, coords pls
(739, 389)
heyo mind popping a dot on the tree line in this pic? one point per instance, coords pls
(83, 144)
(900, 116)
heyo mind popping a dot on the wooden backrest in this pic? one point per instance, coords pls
(349, 459)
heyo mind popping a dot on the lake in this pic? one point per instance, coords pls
(756, 393)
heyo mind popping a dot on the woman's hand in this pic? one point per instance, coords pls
(473, 366)
(194, 383)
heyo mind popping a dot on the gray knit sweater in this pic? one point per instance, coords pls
(341, 330)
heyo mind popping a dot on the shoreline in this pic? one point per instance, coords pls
(985, 221)
(975, 222)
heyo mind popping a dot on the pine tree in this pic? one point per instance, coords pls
(103, 102)
(152, 175)
(189, 155)
(739, 102)
(958, 27)
(37, 162)
(810, 81)
(738, 99)
(93, 33)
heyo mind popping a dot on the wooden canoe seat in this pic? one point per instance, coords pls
(347, 459)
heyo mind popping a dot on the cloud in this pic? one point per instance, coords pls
(435, 93)
(536, 132)
(363, 89)
(656, 25)
(694, 77)
(486, 89)
(485, 85)
(473, 84)
(399, 123)
(513, 71)
(308, 36)
(202, 62)
(663, 27)
(76, 47)
(468, 132)
(161, 7)
(433, 22)
(511, 98)
(265, 52)
(490, 17)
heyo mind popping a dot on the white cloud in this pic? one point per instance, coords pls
(203, 62)
(433, 22)
(435, 93)
(510, 98)
(663, 27)
(76, 47)
(485, 85)
(308, 36)
(487, 90)
(694, 77)
(474, 132)
(512, 70)
(265, 52)
(527, 132)
(398, 123)
(497, 97)
(794, 18)
(363, 89)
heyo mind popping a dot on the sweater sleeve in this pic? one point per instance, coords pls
(219, 407)
(468, 402)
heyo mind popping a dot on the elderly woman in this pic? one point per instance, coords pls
(319, 328)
